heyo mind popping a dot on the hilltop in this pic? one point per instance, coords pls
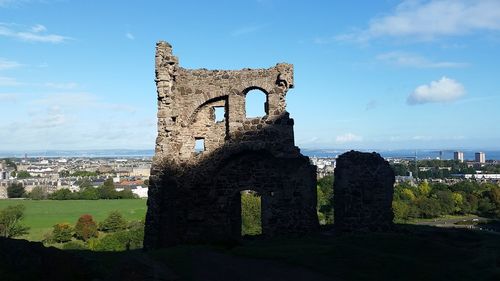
(410, 253)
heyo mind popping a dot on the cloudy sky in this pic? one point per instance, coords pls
(390, 74)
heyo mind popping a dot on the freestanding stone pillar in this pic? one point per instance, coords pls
(363, 191)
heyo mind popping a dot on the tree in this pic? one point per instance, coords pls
(470, 204)
(107, 190)
(446, 202)
(325, 198)
(114, 222)
(64, 174)
(424, 189)
(15, 190)
(407, 194)
(400, 169)
(62, 232)
(401, 210)
(23, 175)
(85, 228)
(84, 183)
(428, 207)
(10, 221)
(38, 193)
(62, 194)
(9, 163)
(88, 193)
(485, 207)
(458, 202)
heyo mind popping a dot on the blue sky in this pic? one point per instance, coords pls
(368, 74)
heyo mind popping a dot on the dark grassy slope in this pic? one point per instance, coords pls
(410, 253)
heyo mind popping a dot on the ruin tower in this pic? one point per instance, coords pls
(202, 164)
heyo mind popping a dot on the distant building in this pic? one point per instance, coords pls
(480, 157)
(140, 191)
(458, 155)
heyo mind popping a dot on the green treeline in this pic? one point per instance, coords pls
(431, 200)
(426, 200)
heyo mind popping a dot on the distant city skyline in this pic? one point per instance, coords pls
(385, 75)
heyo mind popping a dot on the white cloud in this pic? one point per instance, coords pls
(427, 20)
(8, 64)
(443, 90)
(8, 3)
(246, 30)
(130, 36)
(348, 137)
(8, 97)
(67, 99)
(411, 60)
(8, 81)
(38, 28)
(34, 34)
(5, 3)
(82, 101)
(61, 86)
(54, 117)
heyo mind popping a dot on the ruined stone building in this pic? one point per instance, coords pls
(202, 162)
(363, 188)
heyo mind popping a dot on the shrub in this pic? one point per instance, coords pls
(325, 197)
(121, 241)
(113, 242)
(74, 245)
(62, 194)
(62, 232)
(250, 214)
(88, 193)
(10, 221)
(114, 222)
(85, 228)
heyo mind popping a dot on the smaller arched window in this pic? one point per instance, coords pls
(255, 103)
(199, 145)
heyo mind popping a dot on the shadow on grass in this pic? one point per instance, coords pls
(409, 253)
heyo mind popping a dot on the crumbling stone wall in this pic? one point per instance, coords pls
(363, 191)
(195, 196)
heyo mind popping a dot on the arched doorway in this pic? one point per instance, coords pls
(251, 213)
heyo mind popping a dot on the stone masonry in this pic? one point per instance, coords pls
(194, 196)
(363, 190)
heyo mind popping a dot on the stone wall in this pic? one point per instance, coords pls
(195, 196)
(363, 191)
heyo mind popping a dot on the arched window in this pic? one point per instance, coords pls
(255, 103)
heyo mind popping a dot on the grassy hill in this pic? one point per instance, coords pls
(41, 215)
(409, 253)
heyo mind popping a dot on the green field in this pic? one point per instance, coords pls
(41, 215)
